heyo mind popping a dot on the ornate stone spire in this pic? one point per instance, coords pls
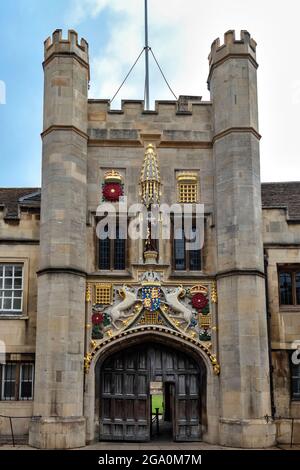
(150, 185)
(150, 192)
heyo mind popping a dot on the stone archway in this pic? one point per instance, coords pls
(210, 395)
(123, 387)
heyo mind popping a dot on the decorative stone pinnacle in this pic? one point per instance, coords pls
(150, 185)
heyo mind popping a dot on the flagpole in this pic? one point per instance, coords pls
(146, 58)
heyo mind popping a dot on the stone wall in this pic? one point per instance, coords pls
(281, 242)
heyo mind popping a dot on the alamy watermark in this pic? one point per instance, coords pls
(2, 352)
(296, 354)
(296, 92)
(2, 92)
(159, 222)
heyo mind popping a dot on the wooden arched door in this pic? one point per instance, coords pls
(125, 392)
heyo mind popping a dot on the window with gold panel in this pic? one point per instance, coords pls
(187, 187)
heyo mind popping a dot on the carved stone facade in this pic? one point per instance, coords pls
(82, 304)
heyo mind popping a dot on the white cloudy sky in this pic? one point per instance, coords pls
(181, 32)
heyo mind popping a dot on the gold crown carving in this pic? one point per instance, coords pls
(154, 284)
(112, 176)
(199, 289)
(151, 283)
(187, 177)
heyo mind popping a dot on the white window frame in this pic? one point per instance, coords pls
(295, 378)
(31, 365)
(12, 310)
(18, 381)
(3, 398)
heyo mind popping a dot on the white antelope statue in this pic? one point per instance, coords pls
(172, 300)
(129, 298)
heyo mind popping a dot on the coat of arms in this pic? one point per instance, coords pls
(151, 297)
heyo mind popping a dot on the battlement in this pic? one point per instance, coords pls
(184, 105)
(58, 45)
(232, 46)
(190, 122)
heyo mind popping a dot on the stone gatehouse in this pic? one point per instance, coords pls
(91, 326)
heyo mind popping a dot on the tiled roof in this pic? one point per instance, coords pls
(11, 197)
(282, 195)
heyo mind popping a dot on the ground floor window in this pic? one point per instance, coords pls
(295, 375)
(16, 381)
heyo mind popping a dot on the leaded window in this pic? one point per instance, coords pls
(295, 376)
(16, 381)
(26, 381)
(289, 285)
(8, 391)
(179, 250)
(112, 250)
(184, 259)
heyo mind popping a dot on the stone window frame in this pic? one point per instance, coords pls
(17, 380)
(12, 293)
(294, 377)
(187, 186)
(292, 269)
(24, 312)
(111, 270)
(187, 269)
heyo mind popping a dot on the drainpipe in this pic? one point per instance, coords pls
(273, 407)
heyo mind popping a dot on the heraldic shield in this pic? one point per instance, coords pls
(151, 297)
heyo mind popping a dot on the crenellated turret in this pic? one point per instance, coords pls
(58, 45)
(245, 45)
(242, 325)
(66, 68)
(233, 84)
(61, 278)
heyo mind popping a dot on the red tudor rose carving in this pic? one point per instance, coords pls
(199, 301)
(97, 318)
(112, 191)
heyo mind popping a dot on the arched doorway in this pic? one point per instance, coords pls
(127, 380)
